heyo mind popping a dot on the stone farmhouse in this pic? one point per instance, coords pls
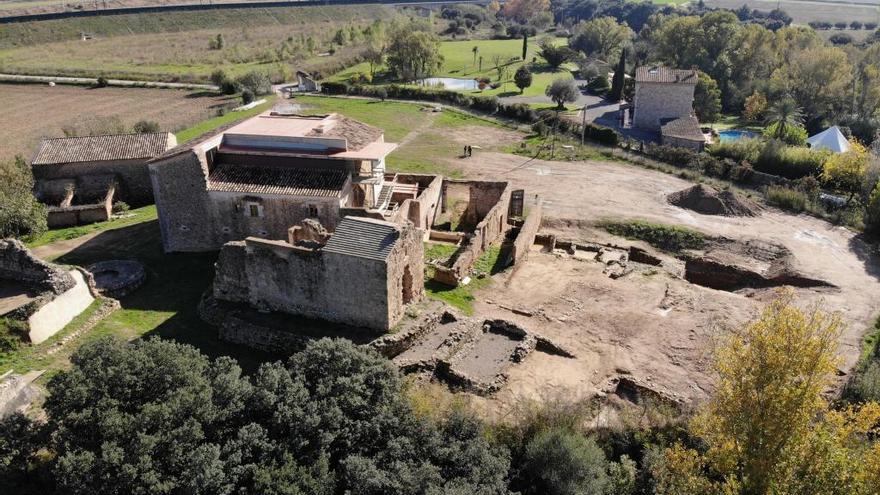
(308, 222)
(664, 103)
(79, 178)
(260, 177)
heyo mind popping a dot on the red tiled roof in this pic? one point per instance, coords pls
(657, 74)
(106, 147)
(277, 180)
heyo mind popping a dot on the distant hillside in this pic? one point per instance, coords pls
(32, 33)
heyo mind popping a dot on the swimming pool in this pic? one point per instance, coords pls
(735, 134)
(452, 83)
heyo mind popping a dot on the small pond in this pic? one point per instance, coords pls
(451, 83)
(735, 135)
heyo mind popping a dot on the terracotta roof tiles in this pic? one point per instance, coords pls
(106, 147)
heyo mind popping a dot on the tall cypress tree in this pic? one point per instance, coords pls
(525, 45)
(617, 82)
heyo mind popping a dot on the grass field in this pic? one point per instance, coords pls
(138, 215)
(175, 46)
(429, 140)
(459, 62)
(33, 111)
(805, 11)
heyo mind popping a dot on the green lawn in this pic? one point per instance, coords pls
(228, 118)
(430, 150)
(462, 296)
(138, 215)
(459, 62)
(735, 122)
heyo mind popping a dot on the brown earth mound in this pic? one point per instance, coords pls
(708, 201)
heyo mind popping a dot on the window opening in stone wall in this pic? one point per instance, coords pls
(312, 211)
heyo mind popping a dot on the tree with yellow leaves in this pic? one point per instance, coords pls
(523, 10)
(767, 427)
(494, 7)
(845, 171)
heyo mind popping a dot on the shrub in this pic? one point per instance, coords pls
(791, 162)
(101, 82)
(247, 96)
(793, 135)
(541, 129)
(257, 82)
(218, 77)
(666, 237)
(21, 215)
(599, 84)
(120, 207)
(145, 127)
(739, 150)
(786, 198)
(228, 87)
(866, 384)
(559, 461)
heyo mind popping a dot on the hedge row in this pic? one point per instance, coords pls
(486, 104)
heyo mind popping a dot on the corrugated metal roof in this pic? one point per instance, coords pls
(657, 74)
(364, 238)
(684, 127)
(101, 148)
(277, 180)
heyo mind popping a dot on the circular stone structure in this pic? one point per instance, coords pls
(117, 278)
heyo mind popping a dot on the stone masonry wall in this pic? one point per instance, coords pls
(18, 264)
(133, 178)
(656, 101)
(356, 291)
(180, 183)
(527, 233)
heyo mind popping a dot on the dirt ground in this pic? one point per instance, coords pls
(33, 111)
(651, 325)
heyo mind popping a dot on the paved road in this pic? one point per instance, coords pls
(111, 82)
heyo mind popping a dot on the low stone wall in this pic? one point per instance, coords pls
(18, 264)
(239, 331)
(60, 311)
(526, 237)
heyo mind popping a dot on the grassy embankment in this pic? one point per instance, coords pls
(458, 62)
(175, 46)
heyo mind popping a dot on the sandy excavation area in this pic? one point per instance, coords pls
(651, 325)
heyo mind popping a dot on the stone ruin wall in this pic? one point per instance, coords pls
(18, 264)
(180, 186)
(134, 185)
(489, 204)
(526, 237)
(355, 291)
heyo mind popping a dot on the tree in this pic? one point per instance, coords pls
(154, 416)
(475, 50)
(375, 56)
(554, 55)
(525, 48)
(413, 54)
(217, 42)
(795, 135)
(845, 171)
(707, 98)
(522, 78)
(872, 225)
(561, 462)
(494, 7)
(257, 82)
(603, 37)
(218, 77)
(562, 91)
(619, 78)
(754, 107)
(523, 10)
(21, 215)
(784, 113)
(20, 440)
(767, 428)
(819, 79)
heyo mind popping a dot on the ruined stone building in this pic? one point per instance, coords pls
(662, 95)
(363, 275)
(79, 178)
(268, 173)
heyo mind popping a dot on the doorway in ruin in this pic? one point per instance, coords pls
(406, 283)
